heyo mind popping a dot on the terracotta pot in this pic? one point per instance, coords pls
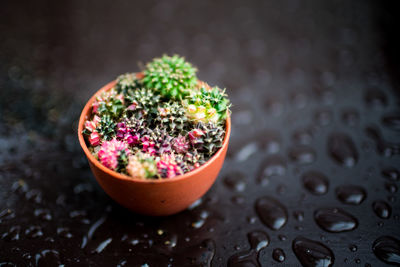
(154, 197)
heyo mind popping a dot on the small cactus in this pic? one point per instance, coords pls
(180, 144)
(106, 127)
(126, 83)
(109, 103)
(207, 137)
(207, 105)
(168, 167)
(172, 77)
(142, 166)
(142, 101)
(171, 115)
(110, 153)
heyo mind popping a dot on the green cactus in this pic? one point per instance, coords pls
(106, 127)
(127, 82)
(211, 139)
(172, 77)
(142, 101)
(207, 105)
(122, 161)
(110, 103)
(142, 166)
(171, 116)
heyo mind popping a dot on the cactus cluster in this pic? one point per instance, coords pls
(159, 123)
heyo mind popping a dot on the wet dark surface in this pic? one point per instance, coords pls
(312, 171)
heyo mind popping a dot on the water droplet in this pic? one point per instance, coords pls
(282, 237)
(279, 255)
(302, 154)
(335, 220)
(102, 245)
(323, 117)
(12, 234)
(281, 189)
(239, 200)
(198, 224)
(43, 214)
(358, 261)
(271, 212)
(77, 214)
(271, 166)
(33, 232)
(273, 106)
(382, 209)
(375, 97)
(353, 248)
(298, 99)
(350, 117)
(198, 255)
(312, 253)
(34, 195)
(94, 227)
(315, 182)
(64, 232)
(387, 249)
(235, 181)
(392, 121)
(82, 188)
(391, 188)
(258, 240)
(269, 141)
(351, 194)
(246, 151)
(384, 148)
(6, 214)
(303, 136)
(391, 173)
(298, 215)
(251, 219)
(20, 186)
(324, 94)
(342, 149)
(48, 257)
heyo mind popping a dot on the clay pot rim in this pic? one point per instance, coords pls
(124, 177)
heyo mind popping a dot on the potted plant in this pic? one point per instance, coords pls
(156, 140)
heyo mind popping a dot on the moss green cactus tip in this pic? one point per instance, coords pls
(172, 77)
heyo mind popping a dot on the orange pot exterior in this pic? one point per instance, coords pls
(154, 197)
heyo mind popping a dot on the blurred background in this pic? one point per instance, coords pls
(299, 74)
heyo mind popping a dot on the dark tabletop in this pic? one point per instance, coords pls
(312, 171)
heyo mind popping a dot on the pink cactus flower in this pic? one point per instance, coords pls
(121, 98)
(147, 145)
(132, 106)
(167, 167)
(197, 133)
(132, 139)
(90, 126)
(109, 152)
(95, 106)
(96, 120)
(94, 139)
(180, 144)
